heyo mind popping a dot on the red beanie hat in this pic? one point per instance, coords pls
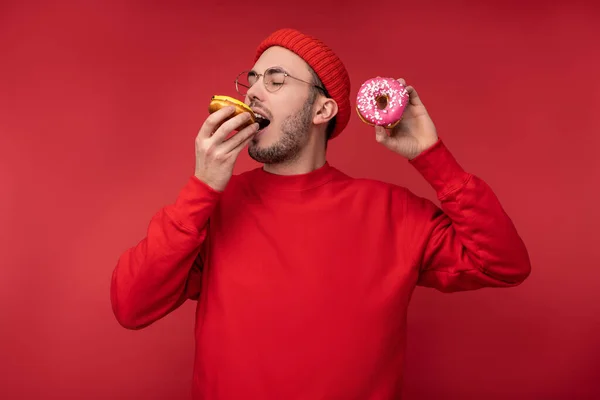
(323, 61)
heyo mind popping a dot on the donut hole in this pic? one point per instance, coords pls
(382, 101)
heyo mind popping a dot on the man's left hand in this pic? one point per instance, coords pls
(414, 134)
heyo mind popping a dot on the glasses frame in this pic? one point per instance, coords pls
(265, 83)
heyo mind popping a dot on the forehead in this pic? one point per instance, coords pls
(281, 57)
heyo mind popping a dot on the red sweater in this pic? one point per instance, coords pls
(303, 282)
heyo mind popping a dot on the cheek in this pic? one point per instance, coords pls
(286, 107)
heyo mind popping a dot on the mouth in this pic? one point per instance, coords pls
(262, 120)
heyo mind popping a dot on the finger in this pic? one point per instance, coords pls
(229, 126)
(413, 96)
(236, 151)
(214, 120)
(239, 139)
(402, 81)
(381, 135)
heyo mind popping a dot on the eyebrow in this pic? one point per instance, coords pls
(276, 67)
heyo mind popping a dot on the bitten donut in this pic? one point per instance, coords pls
(218, 102)
(381, 101)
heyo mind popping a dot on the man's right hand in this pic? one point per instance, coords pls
(215, 156)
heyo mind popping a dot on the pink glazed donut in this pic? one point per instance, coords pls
(381, 101)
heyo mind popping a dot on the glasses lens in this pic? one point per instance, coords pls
(274, 79)
(244, 81)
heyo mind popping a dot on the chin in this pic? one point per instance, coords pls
(264, 137)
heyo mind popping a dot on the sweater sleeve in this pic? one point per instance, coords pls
(164, 269)
(469, 243)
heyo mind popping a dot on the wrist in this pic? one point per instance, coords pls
(216, 186)
(422, 148)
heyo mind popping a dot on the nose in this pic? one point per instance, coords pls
(256, 92)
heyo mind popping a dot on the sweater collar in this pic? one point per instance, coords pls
(312, 179)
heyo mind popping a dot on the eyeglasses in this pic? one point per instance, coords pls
(273, 79)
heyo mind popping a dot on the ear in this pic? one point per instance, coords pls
(325, 110)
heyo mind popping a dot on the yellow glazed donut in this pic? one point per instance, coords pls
(217, 102)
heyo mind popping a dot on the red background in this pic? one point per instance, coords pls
(100, 103)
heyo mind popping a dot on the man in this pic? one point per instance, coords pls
(303, 275)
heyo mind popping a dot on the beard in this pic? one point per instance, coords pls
(294, 131)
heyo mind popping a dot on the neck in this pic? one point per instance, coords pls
(312, 157)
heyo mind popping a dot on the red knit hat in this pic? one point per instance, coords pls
(323, 61)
